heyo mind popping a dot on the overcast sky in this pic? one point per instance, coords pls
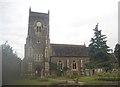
(71, 21)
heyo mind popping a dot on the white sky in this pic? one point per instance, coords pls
(71, 21)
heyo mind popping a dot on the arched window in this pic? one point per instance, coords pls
(37, 57)
(81, 63)
(30, 51)
(29, 66)
(60, 65)
(74, 64)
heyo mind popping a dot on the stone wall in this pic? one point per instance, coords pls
(74, 64)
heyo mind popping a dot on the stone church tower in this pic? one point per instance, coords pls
(40, 55)
(37, 45)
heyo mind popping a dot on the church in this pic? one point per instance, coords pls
(43, 58)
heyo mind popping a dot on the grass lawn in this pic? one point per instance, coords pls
(32, 82)
(63, 78)
(92, 80)
(88, 80)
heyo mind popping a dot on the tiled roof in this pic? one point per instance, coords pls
(69, 50)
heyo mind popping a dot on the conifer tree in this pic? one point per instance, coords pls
(98, 49)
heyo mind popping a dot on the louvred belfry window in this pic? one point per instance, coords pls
(39, 26)
(38, 29)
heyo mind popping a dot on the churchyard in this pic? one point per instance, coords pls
(98, 79)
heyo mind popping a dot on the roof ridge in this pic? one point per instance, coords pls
(73, 45)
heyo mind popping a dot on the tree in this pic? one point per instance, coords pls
(117, 52)
(11, 64)
(98, 49)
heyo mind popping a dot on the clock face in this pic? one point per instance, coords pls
(39, 24)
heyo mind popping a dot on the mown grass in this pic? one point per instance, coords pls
(91, 80)
(101, 79)
(32, 82)
(88, 80)
(63, 78)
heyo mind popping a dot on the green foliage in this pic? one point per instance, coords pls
(90, 65)
(98, 49)
(99, 64)
(11, 64)
(65, 68)
(117, 52)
